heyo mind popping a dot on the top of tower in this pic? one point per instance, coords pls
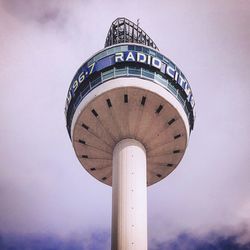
(123, 30)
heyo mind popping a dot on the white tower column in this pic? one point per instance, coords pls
(129, 196)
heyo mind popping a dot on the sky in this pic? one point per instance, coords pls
(47, 199)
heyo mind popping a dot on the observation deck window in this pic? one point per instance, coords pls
(179, 97)
(172, 89)
(85, 90)
(91, 61)
(146, 50)
(165, 59)
(117, 49)
(131, 47)
(147, 73)
(161, 80)
(134, 71)
(138, 48)
(152, 53)
(108, 74)
(124, 48)
(101, 55)
(160, 56)
(95, 82)
(121, 71)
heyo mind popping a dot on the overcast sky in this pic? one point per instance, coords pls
(44, 191)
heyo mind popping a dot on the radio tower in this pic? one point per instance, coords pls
(129, 112)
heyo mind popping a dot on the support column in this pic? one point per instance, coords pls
(129, 196)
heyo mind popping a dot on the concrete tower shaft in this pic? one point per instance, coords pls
(129, 195)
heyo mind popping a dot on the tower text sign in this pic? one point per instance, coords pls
(95, 65)
(169, 70)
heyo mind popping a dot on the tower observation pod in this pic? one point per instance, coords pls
(129, 113)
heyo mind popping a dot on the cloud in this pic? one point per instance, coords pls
(212, 241)
(33, 11)
(100, 240)
(94, 241)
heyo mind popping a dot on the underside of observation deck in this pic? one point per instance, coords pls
(135, 113)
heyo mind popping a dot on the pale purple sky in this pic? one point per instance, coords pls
(44, 189)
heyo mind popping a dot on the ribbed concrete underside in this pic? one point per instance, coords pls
(129, 112)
